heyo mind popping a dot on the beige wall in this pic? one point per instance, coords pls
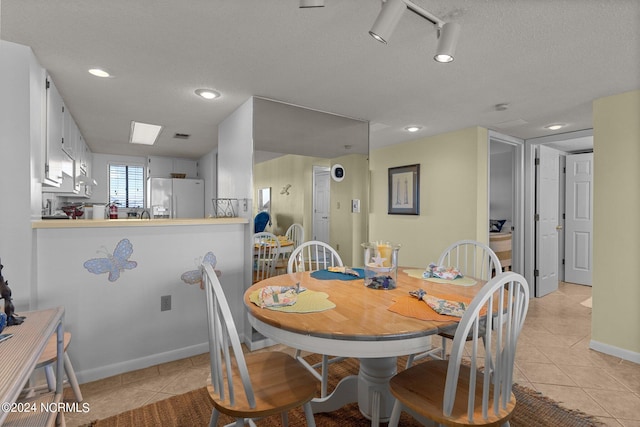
(453, 194)
(348, 229)
(616, 229)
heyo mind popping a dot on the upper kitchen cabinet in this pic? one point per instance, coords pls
(83, 157)
(56, 160)
(163, 167)
(70, 143)
(67, 155)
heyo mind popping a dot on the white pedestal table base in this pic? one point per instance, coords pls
(370, 388)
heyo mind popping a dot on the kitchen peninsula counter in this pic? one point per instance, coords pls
(131, 287)
(99, 223)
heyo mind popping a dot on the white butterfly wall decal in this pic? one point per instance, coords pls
(195, 276)
(113, 264)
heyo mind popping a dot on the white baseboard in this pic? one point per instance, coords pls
(631, 356)
(141, 363)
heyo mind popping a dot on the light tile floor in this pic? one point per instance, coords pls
(553, 358)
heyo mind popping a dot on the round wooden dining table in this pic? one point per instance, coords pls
(360, 325)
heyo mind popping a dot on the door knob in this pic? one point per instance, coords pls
(558, 227)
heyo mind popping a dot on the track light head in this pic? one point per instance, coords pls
(305, 4)
(447, 41)
(387, 20)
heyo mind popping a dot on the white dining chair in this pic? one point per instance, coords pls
(312, 256)
(295, 233)
(254, 385)
(266, 250)
(453, 393)
(471, 258)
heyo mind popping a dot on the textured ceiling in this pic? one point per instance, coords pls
(548, 59)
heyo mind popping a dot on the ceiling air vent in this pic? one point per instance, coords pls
(181, 136)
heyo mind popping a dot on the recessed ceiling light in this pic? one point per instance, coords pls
(555, 126)
(413, 128)
(99, 72)
(144, 133)
(208, 93)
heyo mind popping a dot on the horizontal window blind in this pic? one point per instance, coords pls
(126, 186)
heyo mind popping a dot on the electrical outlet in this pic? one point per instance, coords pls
(165, 303)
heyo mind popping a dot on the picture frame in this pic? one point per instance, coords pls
(404, 190)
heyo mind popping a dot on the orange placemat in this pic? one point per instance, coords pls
(412, 307)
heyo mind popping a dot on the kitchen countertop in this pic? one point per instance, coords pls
(134, 222)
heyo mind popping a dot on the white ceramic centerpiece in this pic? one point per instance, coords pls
(380, 264)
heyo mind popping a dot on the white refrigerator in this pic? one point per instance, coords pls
(175, 198)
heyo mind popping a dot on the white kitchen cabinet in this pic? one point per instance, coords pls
(55, 158)
(83, 153)
(72, 149)
(83, 167)
(159, 167)
(71, 166)
(163, 167)
(70, 135)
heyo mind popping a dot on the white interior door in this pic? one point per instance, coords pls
(321, 203)
(547, 224)
(579, 219)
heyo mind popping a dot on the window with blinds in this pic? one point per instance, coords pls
(126, 186)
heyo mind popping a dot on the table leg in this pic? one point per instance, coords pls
(374, 398)
(371, 386)
(344, 393)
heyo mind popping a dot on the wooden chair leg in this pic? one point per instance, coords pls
(443, 353)
(410, 361)
(213, 422)
(394, 419)
(325, 375)
(51, 377)
(71, 375)
(308, 414)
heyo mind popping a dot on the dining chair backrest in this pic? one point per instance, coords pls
(295, 234)
(223, 337)
(313, 255)
(266, 247)
(260, 221)
(472, 258)
(507, 297)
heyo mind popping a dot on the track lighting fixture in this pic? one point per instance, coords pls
(387, 20)
(447, 40)
(390, 16)
(304, 4)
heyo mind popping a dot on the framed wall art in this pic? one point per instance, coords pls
(404, 190)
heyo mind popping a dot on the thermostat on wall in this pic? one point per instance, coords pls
(337, 172)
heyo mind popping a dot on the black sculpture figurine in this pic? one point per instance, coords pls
(9, 309)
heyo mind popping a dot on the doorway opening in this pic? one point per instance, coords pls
(559, 223)
(506, 201)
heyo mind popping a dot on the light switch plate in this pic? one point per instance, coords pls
(355, 206)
